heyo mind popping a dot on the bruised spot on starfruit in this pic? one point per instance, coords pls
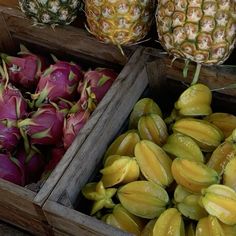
(154, 163)
(207, 135)
(123, 145)
(143, 198)
(220, 201)
(180, 145)
(195, 101)
(209, 226)
(221, 156)
(192, 175)
(119, 170)
(124, 220)
(169, 223)
(224, 121)
(229, 175)
(100, 196)
(152, 127)
(144, 106)
(191, 208)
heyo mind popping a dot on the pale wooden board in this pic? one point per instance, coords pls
(127, 91)
(86, 160)
(71, 222)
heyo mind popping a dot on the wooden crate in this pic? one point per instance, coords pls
(18, 205)
(163, 83)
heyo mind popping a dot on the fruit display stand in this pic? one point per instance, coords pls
(20, 206)
(160, 80)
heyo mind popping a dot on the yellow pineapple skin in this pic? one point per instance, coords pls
(203, 31)
(120, 22)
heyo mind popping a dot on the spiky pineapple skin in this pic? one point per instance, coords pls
(52, 12)
(203, 31)
(119, 22)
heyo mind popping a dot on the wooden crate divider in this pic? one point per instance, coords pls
(63, 217)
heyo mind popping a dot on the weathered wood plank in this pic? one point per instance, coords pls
(125, 92)
(71, 222)
(165, 84)
(6, 42)
(9, 230)
(9, 3)
(213, 76)
(64, 38)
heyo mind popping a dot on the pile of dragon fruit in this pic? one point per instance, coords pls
(42, 109)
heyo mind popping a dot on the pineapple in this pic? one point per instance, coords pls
(52, 12)
(119, 22)
(200, 30)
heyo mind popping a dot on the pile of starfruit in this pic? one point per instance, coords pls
(170, 176)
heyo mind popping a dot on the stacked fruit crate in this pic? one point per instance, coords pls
(66, 209)
(22, 206)
(86, 194)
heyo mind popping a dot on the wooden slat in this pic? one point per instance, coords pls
(23, 204)
(9, 3)
(157, 73)
(6, 42)
(128, 71)
(68, 39)
(213, 76)
(125, 93)
(71, 222)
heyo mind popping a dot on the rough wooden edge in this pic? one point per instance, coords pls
(74, 39)
(87, 129)
(133, 82)
(6, 42)
(72, 222)
(217, 76)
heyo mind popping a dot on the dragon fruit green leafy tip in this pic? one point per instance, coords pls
(13, 106)
(94, 86)
(25, 70)
(44, 126)
(73, 123)
(60, 80)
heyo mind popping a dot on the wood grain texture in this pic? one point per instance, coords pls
(165, 83)
(213, 76)
(18, 205)
(71, 222)
(9, 3)
(123, 94)
(129, 87)
(72, 40)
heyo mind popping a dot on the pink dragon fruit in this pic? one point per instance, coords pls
(44, 126)
(9, 135)
(12, 104)
(11, 169)
(94, 86)
(58, 81)
(72, 125)
(33, 163)
(56, 154)
(25, 70)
